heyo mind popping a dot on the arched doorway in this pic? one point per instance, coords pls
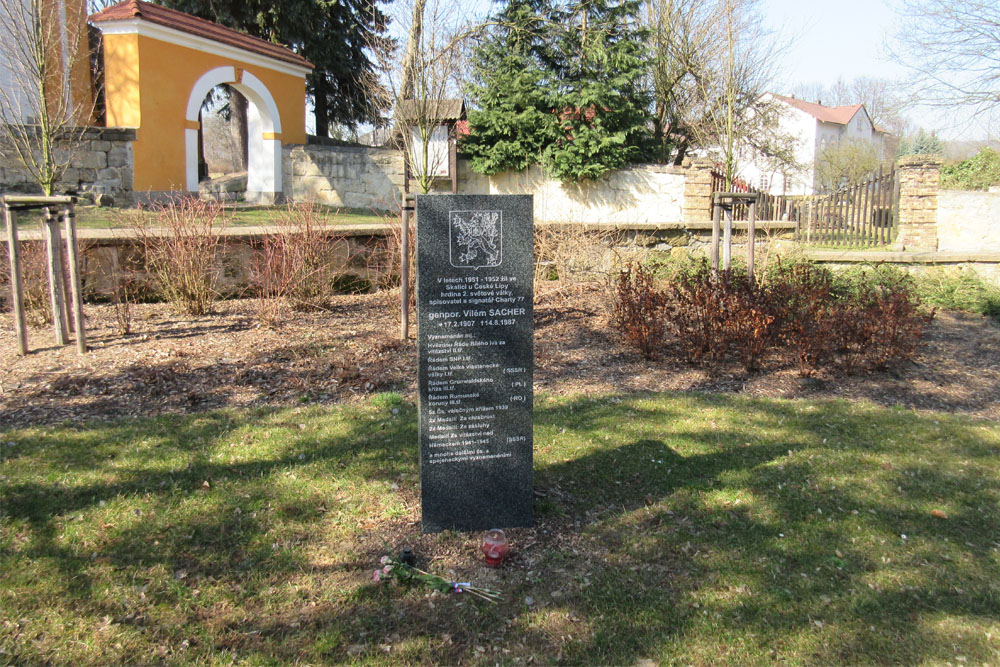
(264, 131)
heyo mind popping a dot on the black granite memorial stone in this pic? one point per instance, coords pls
(476, 360)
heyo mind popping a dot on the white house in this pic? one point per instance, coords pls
(814, 126)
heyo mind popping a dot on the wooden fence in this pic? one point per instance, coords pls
(769, 207)
(859, 215)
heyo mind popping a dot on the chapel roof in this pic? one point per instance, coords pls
(171, 18)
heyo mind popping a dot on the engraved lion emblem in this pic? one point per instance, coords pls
(476, 238)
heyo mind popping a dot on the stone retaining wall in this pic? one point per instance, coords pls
(968, 221)
(361, 250)
(361, 177)
(100, 163)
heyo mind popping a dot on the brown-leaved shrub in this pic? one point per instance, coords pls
(859, 321)
(638, 311)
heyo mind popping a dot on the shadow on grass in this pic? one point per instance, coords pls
(686, 528)
(816, 538)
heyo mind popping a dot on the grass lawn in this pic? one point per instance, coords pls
(672, 527)
(94, 217)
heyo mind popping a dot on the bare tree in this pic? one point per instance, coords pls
(684, 42)
(884, 100)
(47, 99)
(94, 6)
(952, 50)
(843, 162)
(424, 84)
(713, 60)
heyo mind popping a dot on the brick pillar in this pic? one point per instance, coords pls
(919, 178)
(697, 190)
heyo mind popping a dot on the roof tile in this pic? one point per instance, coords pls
(193, 25)
(840, 115)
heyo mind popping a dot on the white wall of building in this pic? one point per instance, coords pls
(14, 103)
(769, 178)
(813, 135)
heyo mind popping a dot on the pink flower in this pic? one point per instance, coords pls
(387, 569)
(376, 576)
(384, 560)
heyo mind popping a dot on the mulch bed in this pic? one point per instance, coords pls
(174, 363)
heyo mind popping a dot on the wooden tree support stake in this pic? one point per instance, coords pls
(69, 216)
(404, 266)
(16, 289)
(727, 238)
(751, 238)
(716, 219)
(57, 281)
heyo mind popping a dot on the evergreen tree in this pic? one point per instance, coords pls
(598, 90)
(561, 86)
(510, 122)
(337, 36)
(921, 143)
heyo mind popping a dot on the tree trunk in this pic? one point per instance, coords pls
(682, 149)
(412, 48)
(320, 104)
(202, 164)
(238, 117)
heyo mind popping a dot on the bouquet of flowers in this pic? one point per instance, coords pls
(409, 575)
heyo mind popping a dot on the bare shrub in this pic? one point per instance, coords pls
(639, 309)
(35, 279)
(577, 256)
(316, 256)
(272, 277)
(301, 266)
(126, 288)
(181, 243)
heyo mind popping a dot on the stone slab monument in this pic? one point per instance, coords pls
(474, 293)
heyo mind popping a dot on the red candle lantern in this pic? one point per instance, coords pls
(495, 547)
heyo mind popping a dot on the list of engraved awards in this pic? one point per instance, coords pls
(474, 262)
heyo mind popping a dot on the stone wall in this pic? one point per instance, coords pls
(348, 176)
(919, 178)
(641, 194)
(968, 221)
(361, 177)
(100, 163)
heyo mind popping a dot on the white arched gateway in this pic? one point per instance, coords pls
(160, 64)
(264, 131)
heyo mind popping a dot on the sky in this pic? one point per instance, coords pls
(830, 40)
(834, 39)
(847, 39)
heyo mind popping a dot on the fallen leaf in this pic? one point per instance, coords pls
(941, 514)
